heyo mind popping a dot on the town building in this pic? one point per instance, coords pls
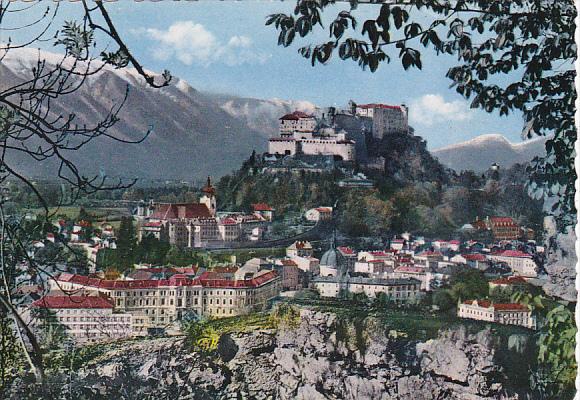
(197, 225)
(520, 263)
(318, 214)
(159, 304)
(396, 289)
(502, 313)
(86, 319)
(300, 249)
(263, 210)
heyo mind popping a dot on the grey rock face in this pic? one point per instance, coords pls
(561, 262)
(311, 361)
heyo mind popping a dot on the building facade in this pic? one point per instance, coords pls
(161, 303)
(86, 319)
(502, 313)
(396, 289)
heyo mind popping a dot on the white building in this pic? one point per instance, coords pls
(506, 313)
(521, 263)
(297, 121)
(161, 303)
(395, 289)
(318, 214)
(86, 319)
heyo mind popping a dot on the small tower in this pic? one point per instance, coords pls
(208, 197)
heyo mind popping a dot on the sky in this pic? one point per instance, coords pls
(225, 47)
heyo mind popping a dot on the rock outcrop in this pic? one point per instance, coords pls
(321, 358)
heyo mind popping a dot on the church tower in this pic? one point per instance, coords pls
(208, 197)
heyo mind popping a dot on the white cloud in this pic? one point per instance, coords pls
(432, 109)
(192, 43)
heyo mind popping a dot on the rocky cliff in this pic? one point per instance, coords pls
(315, 360)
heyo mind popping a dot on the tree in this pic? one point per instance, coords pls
(35, 131)
(503, 66)
(469, 284)
(126, 244)
(443, 300)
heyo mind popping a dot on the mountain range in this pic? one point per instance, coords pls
(193, 134)
(479, 153)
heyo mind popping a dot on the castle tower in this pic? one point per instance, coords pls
(208, 197)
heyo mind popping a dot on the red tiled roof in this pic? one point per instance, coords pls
(289, 263)
(513, 253)
(261, 207)
(345, 250)
(510, 280)
(498, 306)
(207, 279)
(474, 257)
(508, 220)
(72, 302)
(455, 242)
(379, 253)
(228, 221)
(181, 210)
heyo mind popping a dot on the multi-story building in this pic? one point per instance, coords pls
(160, 303)
(501, 228)
(503, 313)
(86, 319)
(521, 263)
(197, 225)
(297, 121)
(395, 289)
(387, 119)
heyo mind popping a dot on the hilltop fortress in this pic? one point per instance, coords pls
(338, 133)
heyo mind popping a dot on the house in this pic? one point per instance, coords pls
(454, 245)
(514, 282)
(397, 244)
(87, 319)
(300, 249)
(502, 313)
(319, 214)
(521, 263)
(263, 210)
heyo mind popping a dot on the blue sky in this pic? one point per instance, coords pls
(225, 47)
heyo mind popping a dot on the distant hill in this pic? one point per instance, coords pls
(479, 153)
(194, 134)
